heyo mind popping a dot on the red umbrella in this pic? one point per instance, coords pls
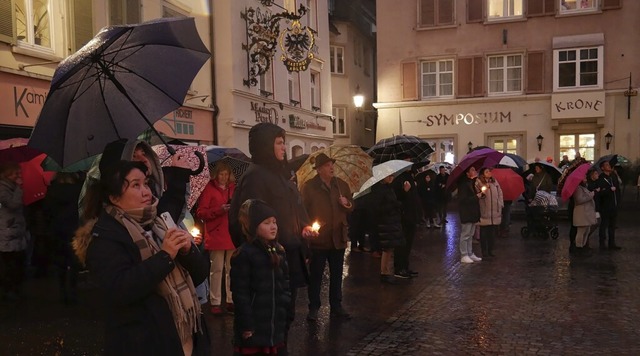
(16, 151)
(511, 182)
(35, 180)
(573, 180)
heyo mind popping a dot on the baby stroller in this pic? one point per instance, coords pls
(541, 215)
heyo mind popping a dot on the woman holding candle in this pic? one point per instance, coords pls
(491, 204)
(213, 209)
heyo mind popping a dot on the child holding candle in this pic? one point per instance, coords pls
(260, 285)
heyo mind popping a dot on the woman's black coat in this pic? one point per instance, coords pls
(469, 208)
(139, 321)
(387, 215)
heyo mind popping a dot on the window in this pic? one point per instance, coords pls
(578, 68)
(433, 13)
(34, 24)
(505, 74)
(500, 9)
(296, 151)
(81, 25)
(584, 143)
(265, 83)
(312, 20)
(294, 89)
(437, 78)
(336, 56)
(290, 5)
(339, 120)
(123, 12)
(506, 144)
(576, 6)
(442, 150)
(315, 91)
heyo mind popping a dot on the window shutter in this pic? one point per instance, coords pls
(427, 13)
(478, 76)
(82, 25)
(611, 4)
(465, 77)
(7, 22)
(409, 81)
(445, 12)
(535, 73)
(474, 10)
(541, 7)
(550, 7)
(133, 11)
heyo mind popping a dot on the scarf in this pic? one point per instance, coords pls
(177, 288)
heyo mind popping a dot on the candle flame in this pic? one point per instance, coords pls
(484, 188)
(315, 227)
(195, 231)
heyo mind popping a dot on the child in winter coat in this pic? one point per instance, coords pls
(259, 283)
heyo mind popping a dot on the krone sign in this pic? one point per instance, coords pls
(577, 105)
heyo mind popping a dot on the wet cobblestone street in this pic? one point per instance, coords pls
(532, 299)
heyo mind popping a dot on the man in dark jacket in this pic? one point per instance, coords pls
(268, 179)
(327, 199)
(442, 195)
(469, 211)
(407, 193)
(608, 199)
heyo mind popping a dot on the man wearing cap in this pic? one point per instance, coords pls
(327, 200)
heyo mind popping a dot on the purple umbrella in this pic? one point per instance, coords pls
(485, 157)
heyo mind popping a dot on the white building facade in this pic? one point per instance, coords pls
(504, 74)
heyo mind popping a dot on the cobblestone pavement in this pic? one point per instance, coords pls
(532, 299)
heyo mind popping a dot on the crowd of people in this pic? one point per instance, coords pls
(263, 238)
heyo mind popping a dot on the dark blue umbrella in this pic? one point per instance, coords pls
(116, 86)
(231, 156)
(613, 159)
(400, 147)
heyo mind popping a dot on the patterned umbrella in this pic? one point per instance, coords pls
(352, 165)
(233, 157)
(397, 147)
(196, 182)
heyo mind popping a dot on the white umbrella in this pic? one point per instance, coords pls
(508, 161)
(380, 172)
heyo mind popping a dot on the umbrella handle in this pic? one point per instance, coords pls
(201, 165)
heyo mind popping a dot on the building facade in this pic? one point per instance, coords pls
(539, 78)
(36, 35)
(353, 70)
(272, 65)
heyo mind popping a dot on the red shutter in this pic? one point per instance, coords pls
(445, 12)
(611, 4)
(409, 81)
(478, 76)
(535, 73)
(427, 13)
(474, 10)
(464, 77)
(535, 7)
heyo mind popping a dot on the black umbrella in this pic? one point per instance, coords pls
(552, 170)
(399, 147)
(613, 159)
(117, 85)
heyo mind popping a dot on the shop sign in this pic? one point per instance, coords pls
(577, 105)
(187, 123)
(21, 99)
(441, 119)
(296, 122)
(264, 114)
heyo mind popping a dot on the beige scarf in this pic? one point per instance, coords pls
(177, 288)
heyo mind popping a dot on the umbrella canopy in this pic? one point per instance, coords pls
(353, 165)
(35, 180)
(18, 154)
(116, 86)
(296, 162)
(233, 157)
(238, 167)
(380, 172)
(198, 181)
(81, 166)
(553, 171)
(484, 157)
(613, 159)
(397, 147)
(574, 179)
(511, 182)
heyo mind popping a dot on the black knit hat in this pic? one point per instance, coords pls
(259, 211)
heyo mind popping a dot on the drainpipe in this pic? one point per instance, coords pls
(214, 99)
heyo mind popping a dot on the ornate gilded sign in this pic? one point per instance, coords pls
(296, 43)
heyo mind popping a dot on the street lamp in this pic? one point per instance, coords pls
(607, 139)
(358, 98)
(539, 139)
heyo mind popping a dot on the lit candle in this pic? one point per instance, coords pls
(315, 227)
(195, 232)
(484, 188)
